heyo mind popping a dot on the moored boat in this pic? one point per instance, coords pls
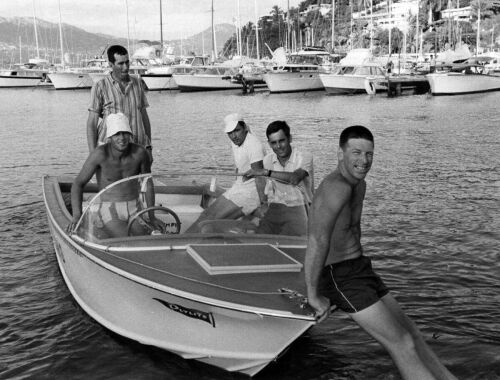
(208, 78)
(351, 79)
(24, 75)
(469, 77)
(300, 72)
(227, 296)
(71, 78)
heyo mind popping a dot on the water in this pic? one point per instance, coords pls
(431, 223)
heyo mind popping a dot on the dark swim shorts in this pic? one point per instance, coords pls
(352, 285)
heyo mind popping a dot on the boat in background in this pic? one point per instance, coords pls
(208, 78)
(160, 78)
(349, 76)
(71, 78)
(227, 296)
(470, 77)
(32, 74)
(300, 72)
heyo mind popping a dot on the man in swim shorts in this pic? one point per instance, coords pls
(117, 159)
(337, 272)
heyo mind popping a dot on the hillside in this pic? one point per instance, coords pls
(19, 31)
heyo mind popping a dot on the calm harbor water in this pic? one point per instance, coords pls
(431, 223)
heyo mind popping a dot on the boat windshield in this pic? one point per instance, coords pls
(182, 204)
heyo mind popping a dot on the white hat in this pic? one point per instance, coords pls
(117, 122)
(231, 122)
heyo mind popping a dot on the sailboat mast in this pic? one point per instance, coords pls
(333, 26)
(36, 32)
(61, 36)
(161, 27)
(478, 37)
(128, 29)
(214, 50)
(371, 25)
(257, 30)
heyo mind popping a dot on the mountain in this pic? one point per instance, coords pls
(19, 31)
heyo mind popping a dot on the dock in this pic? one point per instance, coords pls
(397, 85)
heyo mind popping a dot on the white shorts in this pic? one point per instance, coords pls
(244, 195)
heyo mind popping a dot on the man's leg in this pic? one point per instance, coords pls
(222, 208)
(424, 351)
(379, 321)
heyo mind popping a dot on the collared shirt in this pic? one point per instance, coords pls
(278, 192)
(249, 152)
(106, 97)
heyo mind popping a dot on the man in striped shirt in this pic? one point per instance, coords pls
(118, 92)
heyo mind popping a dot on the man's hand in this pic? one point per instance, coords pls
(254, 173)
(261, 211)
(321, 306)
(72, 224)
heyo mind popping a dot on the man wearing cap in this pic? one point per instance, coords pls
(118, 158)
(246, 195)
(118, 92)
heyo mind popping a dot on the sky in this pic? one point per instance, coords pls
(181, 18)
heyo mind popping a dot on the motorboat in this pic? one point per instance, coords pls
(159, 78)
(69, 78)
(24, 75)
(208, 78)
(138, 67)
(469, 77)
(300, 72)
(228, 295)
(352, 79)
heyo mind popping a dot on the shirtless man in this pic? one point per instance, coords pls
(117, 159)
(337, 272)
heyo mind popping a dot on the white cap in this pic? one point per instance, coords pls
(231, 122)
(117, 122)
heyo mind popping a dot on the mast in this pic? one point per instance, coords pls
(371, 25)
(417, 34)
(257, 30)
(36, 33)
(390, 26)
(61, 36)
(238, 32)
(333, 26)
(214, 50)
(478, 24)
(128, 29)
(161, 27)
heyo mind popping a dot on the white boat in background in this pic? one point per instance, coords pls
(227, 296)
(300, 72)
(160, 78)
(351, 79)
(208, 78)
(469, 77)
(71, 78)
(137, 67)
(24, 75)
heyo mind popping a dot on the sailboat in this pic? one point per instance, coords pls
(31, 74)
(68, 78)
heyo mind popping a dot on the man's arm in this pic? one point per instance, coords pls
(260, 182)
(328, 202)
(88, 170)
(92, 121)
(290, 177)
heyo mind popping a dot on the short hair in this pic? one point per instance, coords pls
(276, 126)
(115, 49)
(355, 132)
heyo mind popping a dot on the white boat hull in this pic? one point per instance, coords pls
(460, 83)
(159, 82)
(347, 84)
(293, 82)
(203, 82)
(19, 81)
(70, 81)
(224, 334)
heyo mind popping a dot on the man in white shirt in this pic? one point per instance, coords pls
(290, 185)
(246, 195)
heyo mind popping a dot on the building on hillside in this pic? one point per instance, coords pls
(397, 16)
(457, 14)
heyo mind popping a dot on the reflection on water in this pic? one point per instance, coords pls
(431, 223)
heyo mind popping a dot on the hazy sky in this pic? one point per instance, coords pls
(181, 18)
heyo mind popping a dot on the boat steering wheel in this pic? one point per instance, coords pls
(157, 208)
